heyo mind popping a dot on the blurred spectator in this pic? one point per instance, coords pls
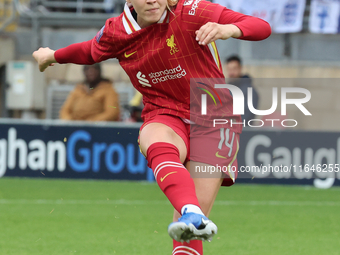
(234, 71)
(136, 107)
(94, 100)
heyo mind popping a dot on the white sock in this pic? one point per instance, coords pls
(192, 208)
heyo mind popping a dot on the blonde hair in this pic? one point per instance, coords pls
(172, 3)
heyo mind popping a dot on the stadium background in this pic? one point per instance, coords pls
(69, 204)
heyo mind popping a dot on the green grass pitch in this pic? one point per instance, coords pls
(46, 216)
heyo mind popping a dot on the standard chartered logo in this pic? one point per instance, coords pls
(161, 76)
(142, 79)
(168, 74)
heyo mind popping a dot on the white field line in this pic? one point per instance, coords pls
(160, 202)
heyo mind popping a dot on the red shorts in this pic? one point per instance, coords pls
(212, 146)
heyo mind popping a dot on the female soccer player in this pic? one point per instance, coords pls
(162, 44)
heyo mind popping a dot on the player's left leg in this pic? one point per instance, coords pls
(206, 191)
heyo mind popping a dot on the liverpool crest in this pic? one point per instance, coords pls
(171, 43)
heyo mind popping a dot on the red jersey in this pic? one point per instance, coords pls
(162, 58)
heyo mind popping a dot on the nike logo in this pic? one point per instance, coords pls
(218, 155)
(129, 55)
(162, 178)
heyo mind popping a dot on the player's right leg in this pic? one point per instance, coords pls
(164, 141)
(166, 151)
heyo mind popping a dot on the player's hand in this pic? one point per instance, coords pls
(211, 32)
(44, 57)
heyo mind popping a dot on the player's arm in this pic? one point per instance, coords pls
(252, 28)
(212, 31)
(226, 24)
(85, 53)
(78, 53)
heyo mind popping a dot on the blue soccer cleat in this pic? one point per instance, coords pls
(192, 226)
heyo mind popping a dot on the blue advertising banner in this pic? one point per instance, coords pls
(72, 151)
(110, 151)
